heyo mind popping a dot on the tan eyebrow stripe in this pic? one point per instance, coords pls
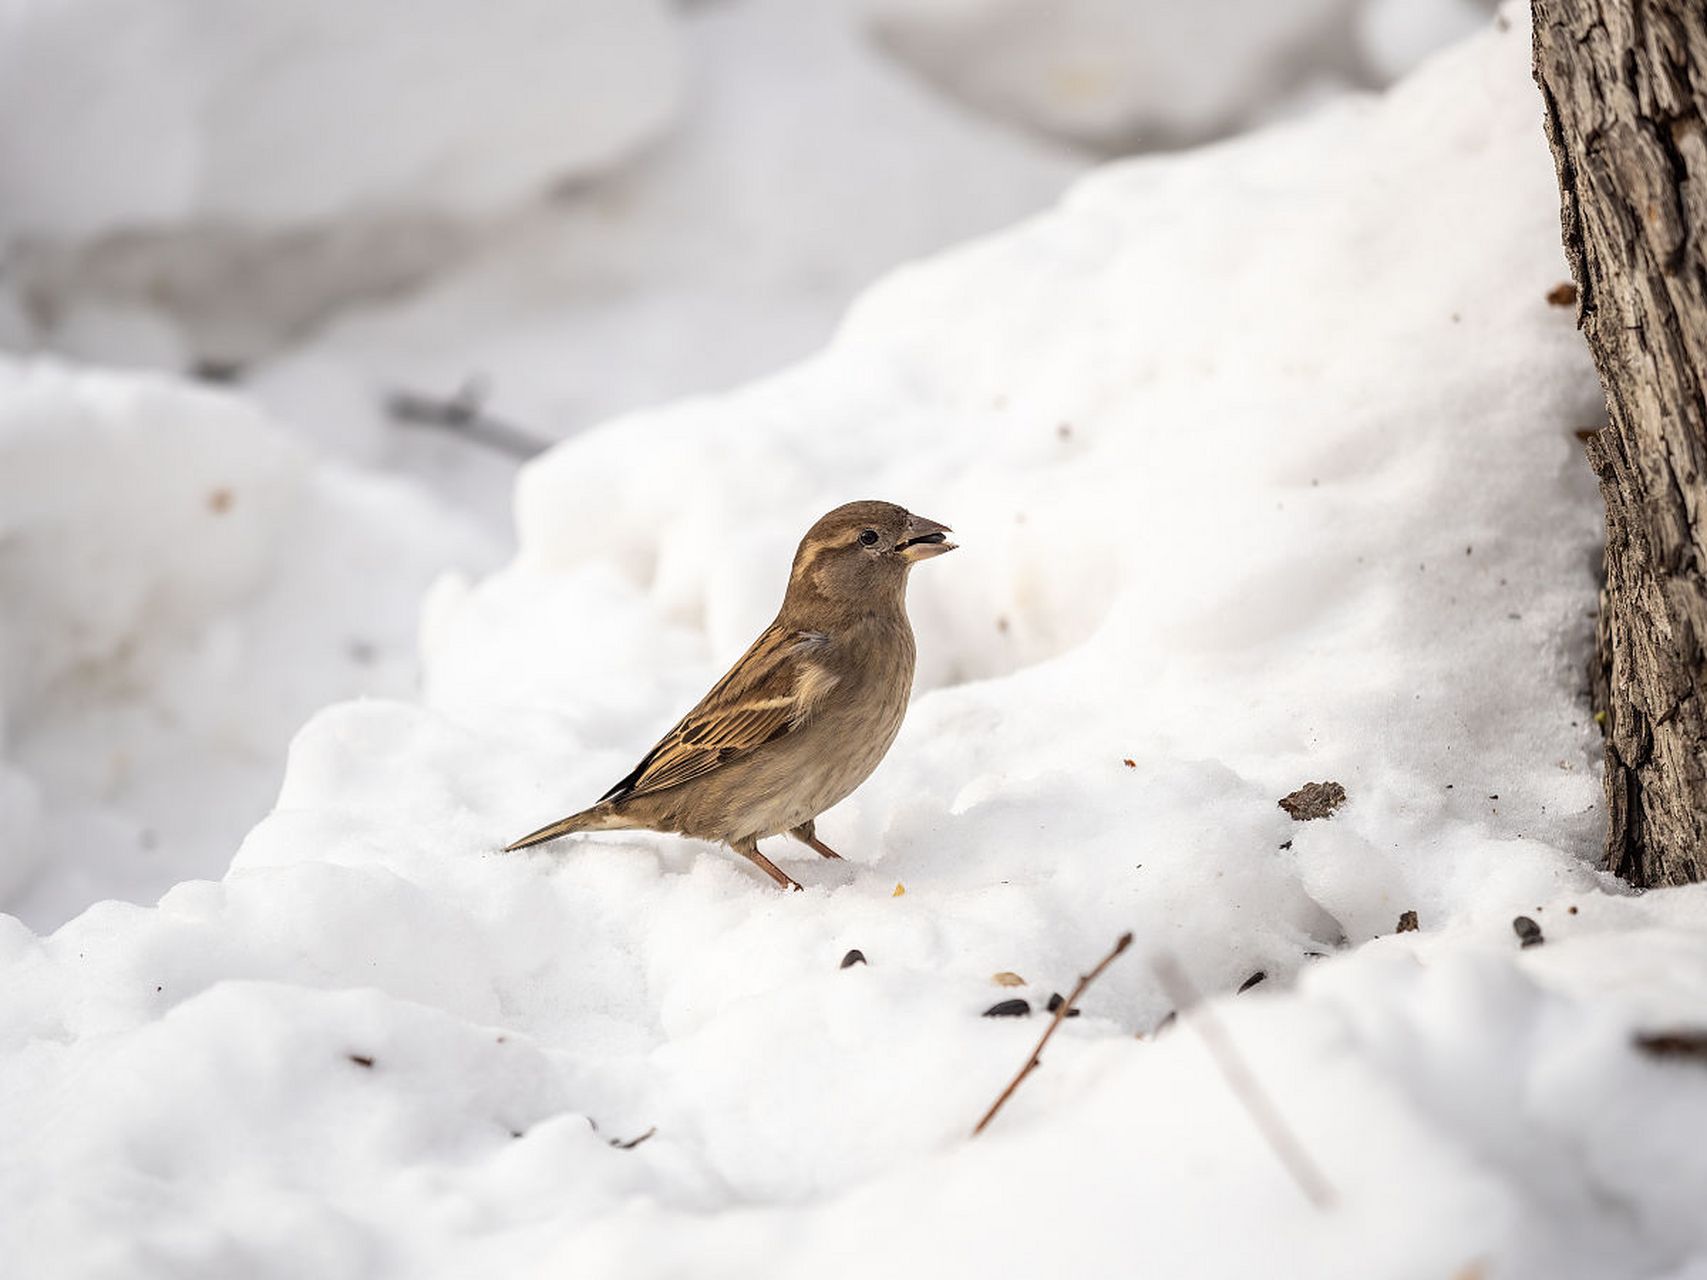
(816, 549)
(812, 553)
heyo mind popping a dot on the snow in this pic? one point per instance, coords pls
(729, 251)
(183, 584)
(723, 251)
(1395, 35)
(1143, 74)
(161, 117)
(209, 193)
(1111, 73)
(1261, 459)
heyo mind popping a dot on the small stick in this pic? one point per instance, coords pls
(1061, 1012)
(464, 412)
(1243, 1083)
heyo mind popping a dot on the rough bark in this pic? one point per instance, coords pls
(1625, 88)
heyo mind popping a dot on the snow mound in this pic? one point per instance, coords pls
(281, 115)
(179, 586)
(1262, 464)
(1124, 75)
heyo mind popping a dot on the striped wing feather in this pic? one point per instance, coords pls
(770, 692)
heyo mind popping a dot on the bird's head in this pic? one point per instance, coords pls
(861, 551)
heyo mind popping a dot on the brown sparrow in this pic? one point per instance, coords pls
(806, 713)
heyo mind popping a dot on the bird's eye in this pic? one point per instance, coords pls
(869, 537)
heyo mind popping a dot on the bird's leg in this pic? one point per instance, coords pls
(749, 848)
(807, 834)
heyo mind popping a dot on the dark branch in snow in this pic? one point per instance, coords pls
(1062, 1011)
(1243, 1083)
(621, 1144)
(464, 413)
(1689, 1046)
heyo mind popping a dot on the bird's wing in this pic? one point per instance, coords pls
(770, 692)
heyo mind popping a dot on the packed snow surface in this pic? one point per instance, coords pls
(1263, 467)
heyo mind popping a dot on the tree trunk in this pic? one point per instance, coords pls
(1625, 88)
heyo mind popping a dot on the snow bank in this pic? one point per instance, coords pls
(1264, 467)
(179, 586)
(1121, 75)
(1262, 463)
(277, 116)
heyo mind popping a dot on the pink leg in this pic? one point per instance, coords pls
(807, 834)
(750, 849)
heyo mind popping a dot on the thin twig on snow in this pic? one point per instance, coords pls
(1061, 1012)
(464, 412)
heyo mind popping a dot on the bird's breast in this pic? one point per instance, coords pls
(861, 715)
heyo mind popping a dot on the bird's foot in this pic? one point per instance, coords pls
(776, 873)
(807, 834)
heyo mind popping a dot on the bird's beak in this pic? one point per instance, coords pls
(923, 539)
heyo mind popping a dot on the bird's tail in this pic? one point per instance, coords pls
(601, 817)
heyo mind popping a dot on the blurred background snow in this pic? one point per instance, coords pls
(576, 208)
